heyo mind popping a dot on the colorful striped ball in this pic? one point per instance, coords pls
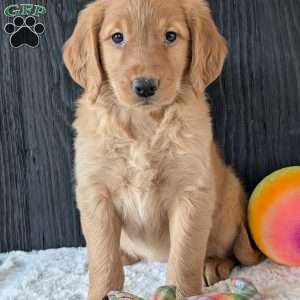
(236, 289)
(274, 216)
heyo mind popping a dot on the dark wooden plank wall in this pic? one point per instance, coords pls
(255, 105)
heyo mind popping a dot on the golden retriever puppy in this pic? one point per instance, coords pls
(150, 180)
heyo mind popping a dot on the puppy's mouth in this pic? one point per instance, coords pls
(147, 102)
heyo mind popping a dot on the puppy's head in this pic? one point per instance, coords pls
(145, 49)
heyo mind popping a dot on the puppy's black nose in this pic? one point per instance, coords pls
(144, 87)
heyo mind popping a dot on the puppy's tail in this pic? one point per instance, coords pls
(243, 249)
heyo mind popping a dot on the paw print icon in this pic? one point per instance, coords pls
(24, 32)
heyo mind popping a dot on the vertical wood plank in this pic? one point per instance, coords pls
(37, 104)
(256, 102)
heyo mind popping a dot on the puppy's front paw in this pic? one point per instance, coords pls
(99, 289)
(94, 296)
(185, 293)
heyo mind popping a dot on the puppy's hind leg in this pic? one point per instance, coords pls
(244, 251)
(128, 260)
(217, 269)
(128, 250)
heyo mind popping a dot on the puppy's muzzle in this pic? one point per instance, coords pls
(145, 87)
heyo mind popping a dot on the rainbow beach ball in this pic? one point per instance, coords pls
(274, 216)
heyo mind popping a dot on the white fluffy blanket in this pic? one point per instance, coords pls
(62, 275)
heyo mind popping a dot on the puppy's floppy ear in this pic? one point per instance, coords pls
(81, 51)
(208, 47)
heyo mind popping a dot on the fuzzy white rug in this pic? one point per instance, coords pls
(62, 275)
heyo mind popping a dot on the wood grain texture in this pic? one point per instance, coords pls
(37, 206)
(256, 103)
(255, 106)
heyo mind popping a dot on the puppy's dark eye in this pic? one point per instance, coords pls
(170, 37)
(118, 38)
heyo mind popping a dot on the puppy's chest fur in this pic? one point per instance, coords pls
(150, 160)
(138, 196)
(145, 164)
(146, 161)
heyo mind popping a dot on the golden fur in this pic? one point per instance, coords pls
(150, 181)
